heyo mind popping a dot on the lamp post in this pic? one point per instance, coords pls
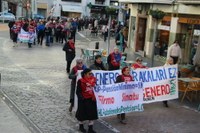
(157, 15)
(110, 11)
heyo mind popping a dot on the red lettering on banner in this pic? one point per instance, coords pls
(109, 100)
(158, 90)
(23, 35)
(130, 97)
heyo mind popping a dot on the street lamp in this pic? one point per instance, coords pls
(110, 11)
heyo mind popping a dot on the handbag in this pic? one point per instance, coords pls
(64, 48)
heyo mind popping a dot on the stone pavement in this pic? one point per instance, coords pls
(35, 80)
(9, 122)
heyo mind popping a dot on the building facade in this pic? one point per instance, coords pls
(181, 22)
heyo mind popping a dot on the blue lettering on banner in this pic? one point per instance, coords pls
(106, 78)
(172, 73)
(118, 87)
(149, 75)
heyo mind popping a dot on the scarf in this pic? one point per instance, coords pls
(87, 86)
(71, 44)
(117, 57)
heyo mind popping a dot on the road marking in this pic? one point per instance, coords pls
(84, 36)
(108, 126)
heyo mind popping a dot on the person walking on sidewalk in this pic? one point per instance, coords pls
(114, 59)
(174, 51)
(124, 77)
(70, 53)
(73, 74)
(120, 41)
(87, 107)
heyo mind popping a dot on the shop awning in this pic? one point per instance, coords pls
(72, 8)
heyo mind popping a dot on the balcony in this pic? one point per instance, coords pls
(148, 1)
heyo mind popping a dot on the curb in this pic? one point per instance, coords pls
(26, 121)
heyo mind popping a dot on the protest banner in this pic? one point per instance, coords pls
(159, 83)
(26, 37)
(23, 36)
(119, 98)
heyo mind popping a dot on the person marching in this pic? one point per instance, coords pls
(73, 74)
(40, 32)
(168, 62)
(70, 52)
(124, 77)
(87, 107)
(31, 30)
(48, 33)
(15, 32)
(59, 29)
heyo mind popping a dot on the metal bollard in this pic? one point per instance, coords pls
(97, 45)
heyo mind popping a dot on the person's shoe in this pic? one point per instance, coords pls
(90, 129)
(70, 108)
(123, 121)
(166, 105)
(118, 116)
(81, 128)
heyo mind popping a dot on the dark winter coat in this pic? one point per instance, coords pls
(69, 52)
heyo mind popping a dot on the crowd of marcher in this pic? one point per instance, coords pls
(64, 31)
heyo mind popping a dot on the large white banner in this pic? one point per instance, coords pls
(119, 98)
(26, 37)
(159, 84)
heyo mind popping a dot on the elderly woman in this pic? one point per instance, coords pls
(73, 74)
(87, 107)
(114, 59)
(124, 77)
(138, 64)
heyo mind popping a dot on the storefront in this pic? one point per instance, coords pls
(71, 11)
(163, 37)
(190, 35)
(42, 9)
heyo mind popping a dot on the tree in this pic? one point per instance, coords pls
(26, 5)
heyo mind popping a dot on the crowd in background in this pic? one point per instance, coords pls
(59, 30)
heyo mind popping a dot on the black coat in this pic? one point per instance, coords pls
(69, 52)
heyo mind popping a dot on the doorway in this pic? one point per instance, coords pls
(141, 33)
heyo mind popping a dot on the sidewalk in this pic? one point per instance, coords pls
(9, 122)
(4, 27)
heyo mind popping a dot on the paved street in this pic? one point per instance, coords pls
(35, 81)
